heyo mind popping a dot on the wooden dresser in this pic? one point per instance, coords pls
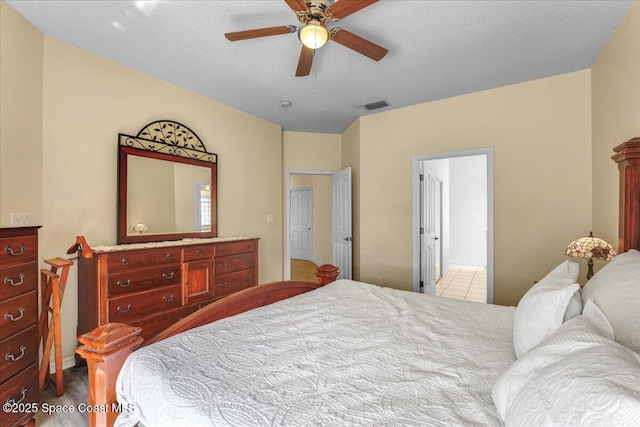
(154, 285)
(18, 328)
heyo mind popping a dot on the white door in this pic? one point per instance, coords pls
(341, 236)
(301, 224)
(430, 232)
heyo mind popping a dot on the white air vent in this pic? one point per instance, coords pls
(376, 105)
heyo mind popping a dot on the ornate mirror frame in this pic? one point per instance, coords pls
(170, 141)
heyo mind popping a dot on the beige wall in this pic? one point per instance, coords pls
(20, 117)
(322, 211)
(615, 86)
(311, 151)
(541, 134)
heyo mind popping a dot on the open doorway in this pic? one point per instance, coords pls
(320, 232)
(453, 224)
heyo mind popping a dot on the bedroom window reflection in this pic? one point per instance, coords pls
(168, 195)
(203, 206)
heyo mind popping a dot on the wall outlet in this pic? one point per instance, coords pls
(269, 217)
(20, 219)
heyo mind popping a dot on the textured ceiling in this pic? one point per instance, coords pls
(437, 49)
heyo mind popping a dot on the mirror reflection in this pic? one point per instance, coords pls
(165, 197)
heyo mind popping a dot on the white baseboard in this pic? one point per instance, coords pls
(67, 362)
(316, 262)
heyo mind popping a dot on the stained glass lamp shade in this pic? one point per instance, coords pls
(140, 227)
(590, 248)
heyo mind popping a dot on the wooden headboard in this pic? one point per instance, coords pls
(628, 159)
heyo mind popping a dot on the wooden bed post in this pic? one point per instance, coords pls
(105, 349)
(326, 274)
(628, 159)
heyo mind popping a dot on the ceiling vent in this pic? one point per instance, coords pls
(376, 105)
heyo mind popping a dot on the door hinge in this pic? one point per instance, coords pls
(421, 230)
(421, 285)
(421, 177)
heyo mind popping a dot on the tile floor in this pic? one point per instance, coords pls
(464, 282)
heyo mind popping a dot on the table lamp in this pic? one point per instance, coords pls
(590, 248)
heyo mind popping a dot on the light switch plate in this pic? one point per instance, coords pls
(20, 219)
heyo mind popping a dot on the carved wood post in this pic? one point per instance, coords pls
(326, 274)
(628, 159)
(105, 349)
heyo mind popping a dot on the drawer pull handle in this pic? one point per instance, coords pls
(23, 393)
(248, 246)
(10, 356)
(168, 276)
(123, 285)
(169, 256)
(9, 280)
(9, 249)
(124, 310)
(223, 284)
(9, 316)
(124, 261)
(222, 265)
(223, 250)
(248, 261)
(248, 278)
(165, 299)
(198, 253)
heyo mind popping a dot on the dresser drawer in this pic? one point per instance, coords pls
(132, 307)
(18, 250)
(234, 282)
(119, 261)
(140, 280)
(18, 313)
(17, 352)
(234, 263)
(21, 389)
(224, 249)
(18, 279)
(194, 253)
(152, 326)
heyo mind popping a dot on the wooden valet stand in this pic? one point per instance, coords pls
(52, 285)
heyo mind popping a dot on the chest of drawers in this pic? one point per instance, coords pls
(18, 317)
(154, 287)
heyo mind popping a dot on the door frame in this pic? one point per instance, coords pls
(287, 213)
(488, 152)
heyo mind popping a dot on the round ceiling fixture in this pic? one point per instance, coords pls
(285, 104)
(313, 35)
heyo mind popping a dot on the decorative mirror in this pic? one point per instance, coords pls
(167, 185)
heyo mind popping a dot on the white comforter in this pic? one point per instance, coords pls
(346, 354)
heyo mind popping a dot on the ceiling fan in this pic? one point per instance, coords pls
(314, 16)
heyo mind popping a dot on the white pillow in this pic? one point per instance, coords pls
(616, 290)
(542, 309)
(578, 376)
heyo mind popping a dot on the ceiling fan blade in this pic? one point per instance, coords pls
(343, 8)
(298, 5)
(305, 61)
(260, 32)
(357, 43)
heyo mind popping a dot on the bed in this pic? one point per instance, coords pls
(351, 353)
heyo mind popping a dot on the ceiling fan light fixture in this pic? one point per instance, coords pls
(313, 35)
